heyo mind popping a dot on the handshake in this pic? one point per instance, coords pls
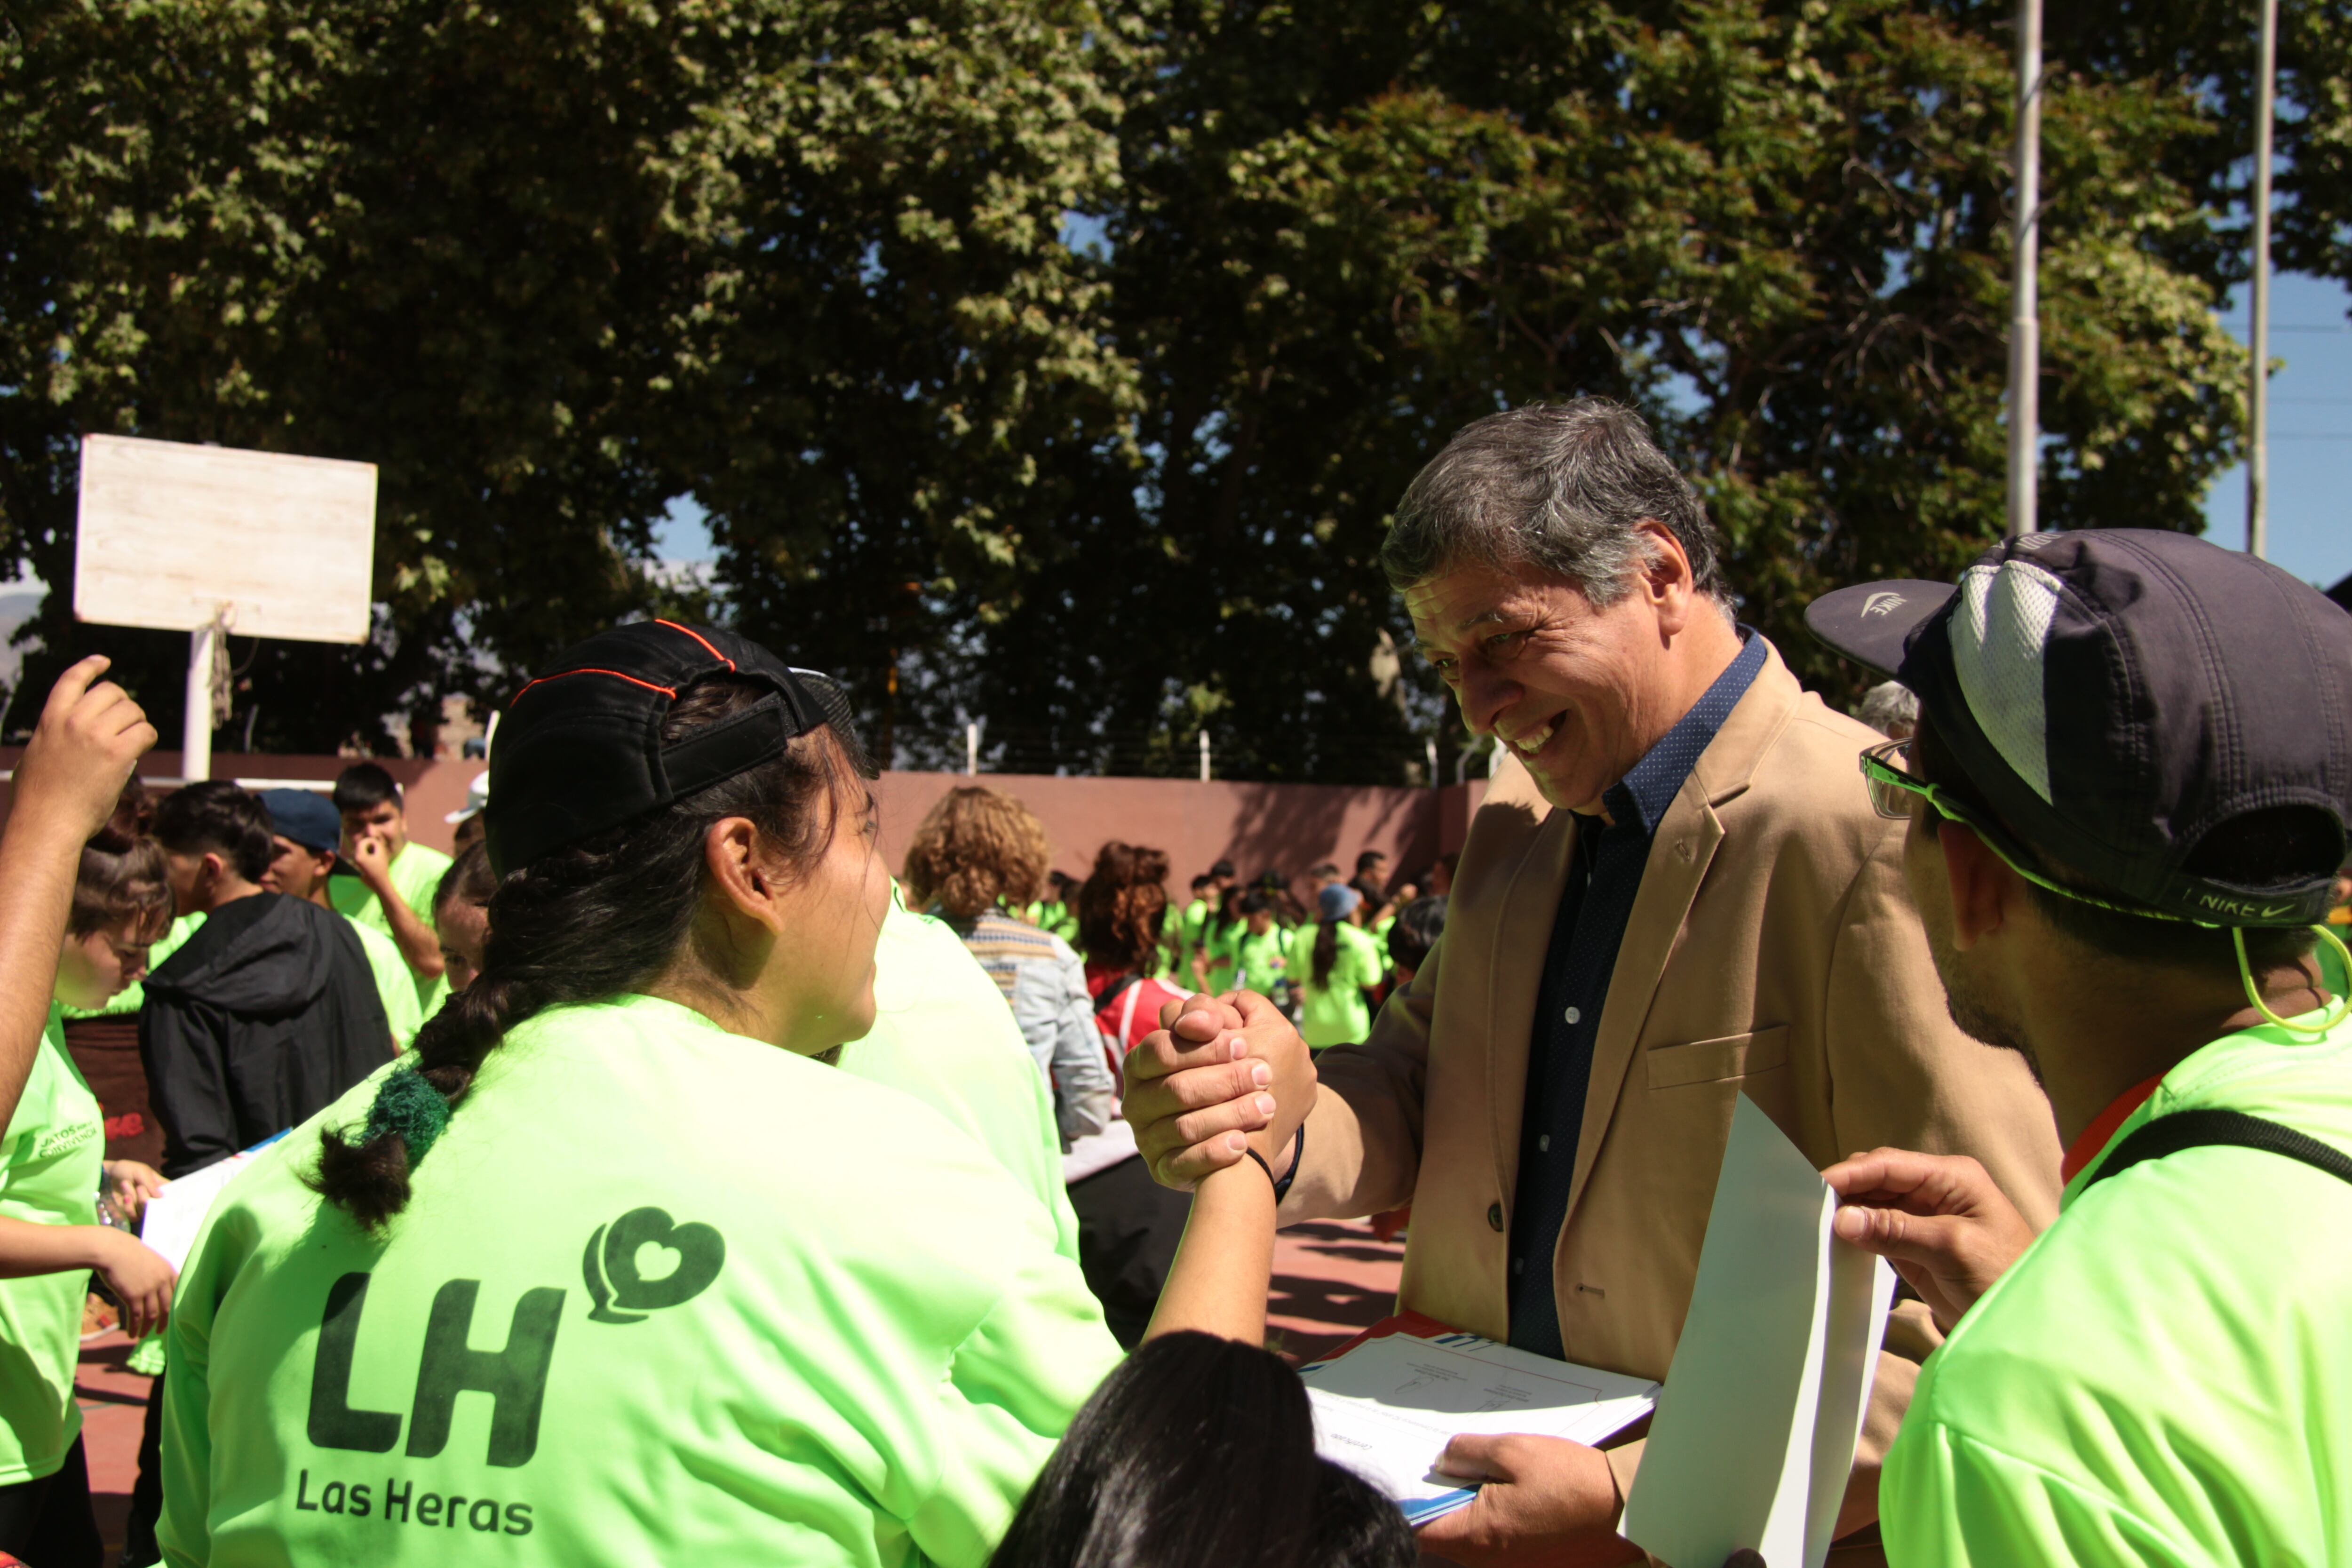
(1220, 1077)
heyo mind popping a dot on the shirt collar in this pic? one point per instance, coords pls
(1640, 798)
(2095, 1137)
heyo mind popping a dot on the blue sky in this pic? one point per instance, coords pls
(2311, 435)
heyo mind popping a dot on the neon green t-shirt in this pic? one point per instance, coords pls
(662, 1294)
(2165, 1376)
(1055, 917)
(49, 1172)
(396, 983)
(1255, 962)
(127, 1002)
(416, 872)
(1335, 1011)
(942, 1033)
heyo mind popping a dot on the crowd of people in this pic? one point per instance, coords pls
(664, 1178)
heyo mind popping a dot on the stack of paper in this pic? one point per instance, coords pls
(1756, 1429)
(1386, 1405)
(175, 1215)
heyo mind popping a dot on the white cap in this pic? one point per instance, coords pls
(477, 795)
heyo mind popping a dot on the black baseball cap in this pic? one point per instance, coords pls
(2115, 695)
(580, 750)
(305, 817)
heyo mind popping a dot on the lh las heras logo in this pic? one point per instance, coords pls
(621, 1290)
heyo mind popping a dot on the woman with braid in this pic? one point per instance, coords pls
(613, 1267)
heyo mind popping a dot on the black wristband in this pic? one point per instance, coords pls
(1268, 1170)
(1298, 1153)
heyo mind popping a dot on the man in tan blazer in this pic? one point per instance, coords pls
(1677, 893)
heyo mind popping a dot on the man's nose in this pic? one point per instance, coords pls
(1484, 698)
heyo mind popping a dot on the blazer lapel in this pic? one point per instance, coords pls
(1680, 852)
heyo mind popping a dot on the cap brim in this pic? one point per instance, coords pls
(1872, 622)
(458, 817)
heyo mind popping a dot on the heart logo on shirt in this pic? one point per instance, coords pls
(645, 1261)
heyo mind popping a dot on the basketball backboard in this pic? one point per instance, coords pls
(170, 533)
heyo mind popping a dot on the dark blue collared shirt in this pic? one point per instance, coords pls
(1602, 881)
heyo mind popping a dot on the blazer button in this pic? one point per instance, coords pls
(1494, 1216)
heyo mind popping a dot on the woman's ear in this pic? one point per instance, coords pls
(745, 872)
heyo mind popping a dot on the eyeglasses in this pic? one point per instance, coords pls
(1892, 787)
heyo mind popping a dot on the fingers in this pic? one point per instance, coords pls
(1216, 1014)
(1247, 1114)
(1901, 1236)
(1188, 1168)
(1477, 1456)
(73, 683)
(1162, 1054)
(1925, 1184)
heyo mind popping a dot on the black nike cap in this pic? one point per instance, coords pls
(580, 750)
(2115, 695)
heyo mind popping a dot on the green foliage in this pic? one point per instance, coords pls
(552, 267)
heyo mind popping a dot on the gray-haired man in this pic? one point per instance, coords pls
(1685, 897)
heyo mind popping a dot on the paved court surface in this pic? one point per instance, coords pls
(113, 1405)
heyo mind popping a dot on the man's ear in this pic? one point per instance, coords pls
(1985, 891)
(1667, 581)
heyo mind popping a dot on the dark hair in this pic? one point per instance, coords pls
(1228, 913)
(468, 880)
(2275, 844)
(1418, 926)
(1198, 1452)
(1223, 868)
(596, 919)
(1562, 486)
(1203, 880)
(1326, 868)
(1121, 904)
(1254, 903)
(215, 815)
(364, 786)
(121, 876)
(1367, 860)
(1062, 882)
(1325, 952)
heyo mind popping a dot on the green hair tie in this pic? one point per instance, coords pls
(409, 1106)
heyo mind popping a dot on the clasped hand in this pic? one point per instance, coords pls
(1222, 1075)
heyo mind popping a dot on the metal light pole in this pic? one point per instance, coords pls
(2024, 324)
(2258, 374)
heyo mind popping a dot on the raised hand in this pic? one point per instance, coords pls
(89, 737)
(1938, 1218)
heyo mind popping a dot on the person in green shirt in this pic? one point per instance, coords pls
(2128, 791)
(1054, 913)
(614, 1266)
(1255, 952)
(942, 1033)
(391, 880)
(86, 895)
(461, 914)
(1334, 965)
(306, 835)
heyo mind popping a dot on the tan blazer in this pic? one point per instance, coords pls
(1772, 950)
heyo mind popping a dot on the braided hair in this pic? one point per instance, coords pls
(593, 919)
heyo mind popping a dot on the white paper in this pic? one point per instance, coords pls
(1387, 1408)
(174, 1216)
(1756, 1427)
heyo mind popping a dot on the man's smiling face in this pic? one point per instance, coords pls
(1569, 688)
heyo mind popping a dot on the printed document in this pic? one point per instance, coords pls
(1387, 1407)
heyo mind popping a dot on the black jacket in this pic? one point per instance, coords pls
(264, 1018)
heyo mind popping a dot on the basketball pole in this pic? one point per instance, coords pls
(2025, 323)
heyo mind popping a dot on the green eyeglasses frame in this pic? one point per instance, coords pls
(1892, 787)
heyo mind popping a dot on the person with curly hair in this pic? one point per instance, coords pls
(979, 856)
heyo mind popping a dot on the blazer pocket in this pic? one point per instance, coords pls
(1711, 1061)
